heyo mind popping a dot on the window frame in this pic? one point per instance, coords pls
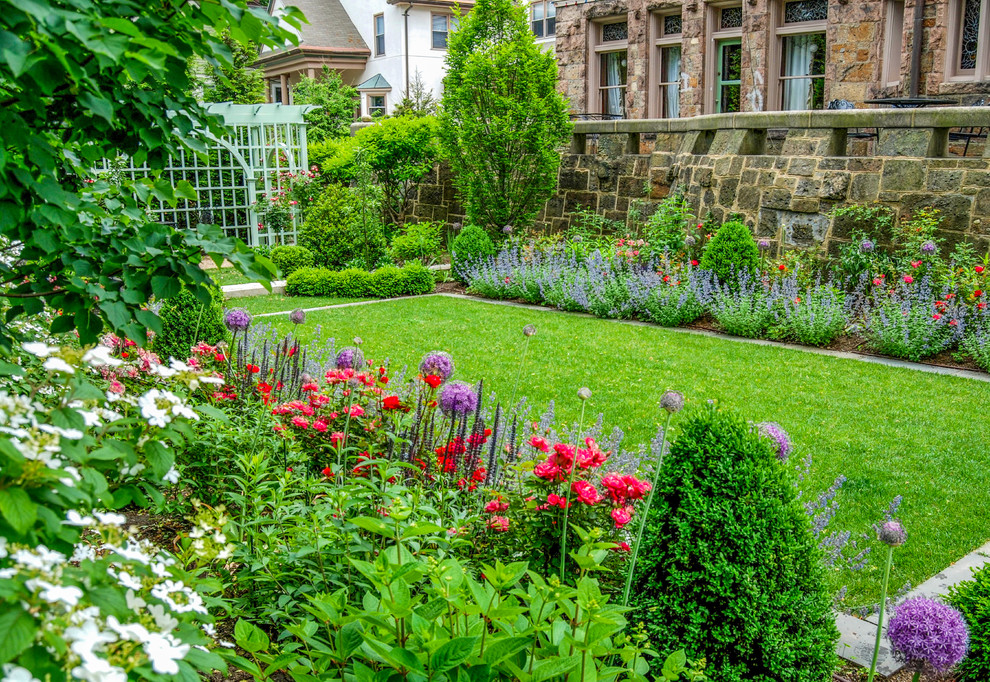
(716, 35)
(545, 22)
(781, 31)
(369, 101)
(661, 41)
(981, 72)
(377, 35)
(599, 47)
(449, 21)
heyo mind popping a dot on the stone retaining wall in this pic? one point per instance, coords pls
(784, 183)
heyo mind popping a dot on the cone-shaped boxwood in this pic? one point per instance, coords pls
(731, 252)
(729, 569)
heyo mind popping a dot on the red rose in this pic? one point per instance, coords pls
(979, 268)
(432, 380)
(391, 403)
(977, 293)
(327, 471)
(694, 263)
(782, 267)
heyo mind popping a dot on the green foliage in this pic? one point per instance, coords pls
(731, 252)
(335, 232)
(386, 282)
(729, 567)
(815, 317)
(81, 82)
(336, 100)
(335, 159)
(972, 599)
(239, 82)
(289, 258)
(472, 243)
(502, 120)
(399, 151)
(418, 241)
(666, 228)
(186, 321)
(418, 100)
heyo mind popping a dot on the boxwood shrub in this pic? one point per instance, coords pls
(731, 251)
(185, 321)
(472, 243)
(729, 569)
(385, 282)
(289, 258)
(972, 599)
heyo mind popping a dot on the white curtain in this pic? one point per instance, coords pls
(612, 74)
(799, 52)
(672, 76)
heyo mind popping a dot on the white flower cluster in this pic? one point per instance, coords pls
(101, 646)
(208, 539)
(34, 439)
(158, 407)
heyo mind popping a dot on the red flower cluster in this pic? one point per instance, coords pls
(622, 488)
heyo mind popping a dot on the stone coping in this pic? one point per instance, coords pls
(939, 117)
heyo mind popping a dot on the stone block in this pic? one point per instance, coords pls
(727, 192)
(802, 166)
(747, 197)
(944, 180)
(573, 179)
(975, 178)
(807, 187)
(856, 165)
(955, 209)
(834, 185)
(632, 186)
(981, 206)
(902, 176)
(702, 177)
(805, 205)
(767, 223)
(915, 142)
(748, 177)
(777, 199)
(803, 229)
(576, 200)
(431, 195)
(864, 187)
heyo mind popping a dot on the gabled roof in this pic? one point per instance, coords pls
(329, 25)
(376, 82)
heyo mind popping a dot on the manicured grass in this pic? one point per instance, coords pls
(891, 431)
(225, 276)
(274, 303)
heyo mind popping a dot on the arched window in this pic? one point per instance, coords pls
(969, 38)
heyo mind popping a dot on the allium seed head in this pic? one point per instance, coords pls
(763, 244)
(924, 631)
(438, 363)
(892, 533)
(672, 402)
(358, 341)
(297, 316)
(781, 441)
(350, 357)
(866, 246)
(458, 397)
(529, 330)
(928, 247)
(237, 319)
(584, 393)
(690, 241)
(507, 229)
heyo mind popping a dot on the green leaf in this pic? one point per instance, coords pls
(17, 629)
(373, 526)
(555, 667)
(501, 649)
(18, 508)
(453, 653)
(250, 637)
(406, 659)
(351, 636)
(421, 529)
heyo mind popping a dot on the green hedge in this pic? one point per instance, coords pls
(729, 569)
(972, 598)
(289, 258)
(385, 282)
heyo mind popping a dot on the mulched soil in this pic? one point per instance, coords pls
(854, 673)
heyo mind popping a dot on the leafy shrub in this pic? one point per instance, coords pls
(731, 252)
(335, 102)
(728, 564)
(185, 320)
(471, 244)
(334, 232)
(334, 158)
(288, 258)
(386, 282)
(972, 599)
(417, 241)
(908, 322)
(418, 279)
(666, 229)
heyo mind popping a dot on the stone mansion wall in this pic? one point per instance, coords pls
(862, 49)
(783, 172)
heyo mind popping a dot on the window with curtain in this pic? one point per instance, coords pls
(442, 25)
(801, 31)
(613, 83)
(543, 15)
(667, 69)
(379, 35)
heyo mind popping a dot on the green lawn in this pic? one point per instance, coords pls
(891, 431)
(225, 276)
(276, 302)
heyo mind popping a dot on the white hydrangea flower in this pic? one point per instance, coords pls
(68, 595)
(39, 349)
(74, 518)
(172, 476)
(94, 669)
(110, 518)
(130, 631)
(163, 619)
(83, 552)
(3, 547)
(164, 652)
(87, 638)
(41, 558)
(101, 356)
(15, 673)
(57, 364)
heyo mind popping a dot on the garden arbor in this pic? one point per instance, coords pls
(238, 172)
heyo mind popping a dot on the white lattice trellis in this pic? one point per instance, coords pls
(264, 141)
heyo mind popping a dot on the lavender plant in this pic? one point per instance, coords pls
(908, 321)
(744, 307)
(976, 340)
(813, 315)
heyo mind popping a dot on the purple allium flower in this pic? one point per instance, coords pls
(892, 533)
(924, 631)
(763, 244)
(584, 393)
(437, 362)
(928, 247)
(529, 330)
(237, 319)
(774, 432)
(672, 402)
(297, 316)
(458, 397)
(866, 246)
(507, 229)
(350, 358)
(690, 241)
